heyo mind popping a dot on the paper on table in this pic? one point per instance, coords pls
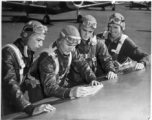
(92, 90)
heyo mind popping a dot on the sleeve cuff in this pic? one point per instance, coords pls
(29, 110)
(67, 93)
(112, 70)
(143, 63)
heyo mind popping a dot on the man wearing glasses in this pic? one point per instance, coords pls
(93, 51)
(51, 68)
(121, 47)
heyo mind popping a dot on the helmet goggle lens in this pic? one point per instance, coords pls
(40, 29)
(73, 40)
(90, 24)
(115, 20)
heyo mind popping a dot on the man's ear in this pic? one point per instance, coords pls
(60, 41)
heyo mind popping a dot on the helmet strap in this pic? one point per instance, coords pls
(25, 51)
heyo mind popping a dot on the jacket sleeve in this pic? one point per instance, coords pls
(49, 79)
(81, 66)
(10, 86)
(131, 50)
(104, 57)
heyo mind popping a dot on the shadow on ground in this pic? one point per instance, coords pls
(144, 30)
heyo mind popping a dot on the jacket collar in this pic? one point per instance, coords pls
(59, 50)
(20, 44)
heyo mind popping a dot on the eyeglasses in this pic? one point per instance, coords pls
(115, 20)
(40, 29)
(73, 40)
(89, 24)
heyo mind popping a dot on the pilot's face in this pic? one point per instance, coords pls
(86, 32)
(66, 47)
(115, 30)
(35, 42)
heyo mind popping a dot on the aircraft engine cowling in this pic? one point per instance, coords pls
(74, 4)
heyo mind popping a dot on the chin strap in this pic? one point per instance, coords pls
(25, 51)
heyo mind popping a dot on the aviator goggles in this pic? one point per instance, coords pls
(73, 40)
(89, 24)
(115, 20)
(40, 29)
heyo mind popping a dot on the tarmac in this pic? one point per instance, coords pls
(138, 24)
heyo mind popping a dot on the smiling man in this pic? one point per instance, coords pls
(120, 46)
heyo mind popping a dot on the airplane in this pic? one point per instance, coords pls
(140, 4)
(111, 4)
(51, 7)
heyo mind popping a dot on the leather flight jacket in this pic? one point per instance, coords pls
(93, 52)
(12, 90)
(53, 84)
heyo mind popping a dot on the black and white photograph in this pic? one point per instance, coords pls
(75, 60)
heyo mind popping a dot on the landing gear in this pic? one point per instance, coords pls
(148, 8)
(27, 14)
(79, 18)
(103, 9)
(46, 19)
(113, 9)
(130, 7)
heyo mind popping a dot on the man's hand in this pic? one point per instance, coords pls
(139, 66)
(95, 83)
(77, 92)
(112, 75)
(43, 108)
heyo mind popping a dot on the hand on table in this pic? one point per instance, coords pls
(112, 75)
(95, 83)
(78, 91)
(43, 108)
(139, 66)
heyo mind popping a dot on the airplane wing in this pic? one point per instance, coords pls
(53, 7)
(100, 4)
(139, 5)
(22, 5)
(27, 5)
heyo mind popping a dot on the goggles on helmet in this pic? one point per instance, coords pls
(89, 24)
(115, 20)
(73, 40)
(40, 29)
